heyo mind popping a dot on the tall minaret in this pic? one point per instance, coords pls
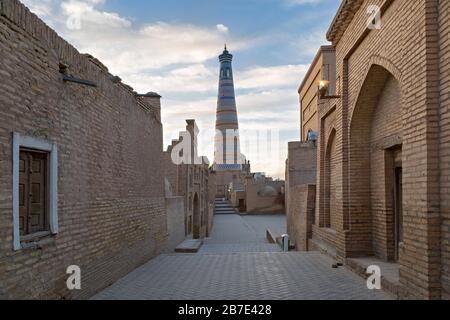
(227, 155)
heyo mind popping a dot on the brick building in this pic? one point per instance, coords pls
(81, 177)
(383, 151)
(301, 165)
(190, 179)
(323, 68)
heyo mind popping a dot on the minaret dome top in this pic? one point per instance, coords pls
(226, 56)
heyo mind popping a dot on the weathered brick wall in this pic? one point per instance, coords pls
(301, 218)
(444, 124)
(302, 163)
(407, 48)
(301, 167)
(111, 189)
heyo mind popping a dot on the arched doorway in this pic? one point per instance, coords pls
(329, 219)
(197, 217)
(375, 166)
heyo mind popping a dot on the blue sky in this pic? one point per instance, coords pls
(171, 47)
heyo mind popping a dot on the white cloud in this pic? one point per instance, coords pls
(222, 28)
(129, 50)
(42, 8)
(271, 77)
(196, 78)
(39, 7)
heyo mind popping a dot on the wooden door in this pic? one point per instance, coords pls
(33, 191)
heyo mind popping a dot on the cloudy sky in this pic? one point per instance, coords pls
(171, 47)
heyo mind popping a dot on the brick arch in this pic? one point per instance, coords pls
(384, 63)
(379, 91)
(330, 158)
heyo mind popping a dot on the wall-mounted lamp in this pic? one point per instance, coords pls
(324, 85)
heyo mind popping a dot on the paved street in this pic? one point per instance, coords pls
(237, 263)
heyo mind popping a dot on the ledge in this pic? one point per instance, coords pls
(342, 19)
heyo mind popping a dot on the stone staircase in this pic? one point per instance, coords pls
(222, 206)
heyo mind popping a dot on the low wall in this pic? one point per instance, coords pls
(300, 216)
(267, 205)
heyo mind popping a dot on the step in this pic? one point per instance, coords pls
(225, 210)
(390, 279)
(189, 246)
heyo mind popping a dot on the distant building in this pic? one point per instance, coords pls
(190, 180)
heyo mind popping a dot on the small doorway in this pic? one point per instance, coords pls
(398, 201)
(242, 205)
(197, 218)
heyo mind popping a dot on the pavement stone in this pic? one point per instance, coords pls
(237, 263)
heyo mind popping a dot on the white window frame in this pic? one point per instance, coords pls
(41, 145)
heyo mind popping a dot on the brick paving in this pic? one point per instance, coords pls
(233, 234)
(236, 263)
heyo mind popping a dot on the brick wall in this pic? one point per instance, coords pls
(110, 184)
(302, 163)
(301, 218)
(301, 167)
(444, 124)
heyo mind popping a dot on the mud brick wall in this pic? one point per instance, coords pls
(111, 205)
